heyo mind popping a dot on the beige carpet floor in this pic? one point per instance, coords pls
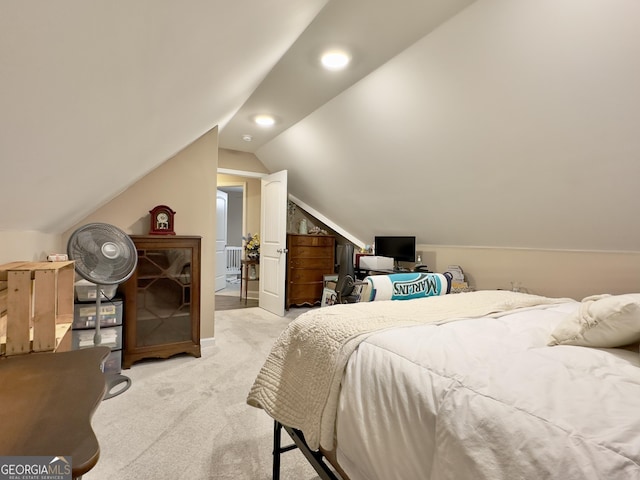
(187, 418)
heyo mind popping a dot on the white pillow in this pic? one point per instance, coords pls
(603, 321)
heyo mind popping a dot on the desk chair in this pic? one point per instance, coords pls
(346, 291)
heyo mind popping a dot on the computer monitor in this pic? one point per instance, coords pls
(400, 248)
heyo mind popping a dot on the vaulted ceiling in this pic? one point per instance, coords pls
(487, 122)
(110, 90)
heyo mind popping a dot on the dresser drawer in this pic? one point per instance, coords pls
(310, 252)
(311, 241)
(306, 293)
(305, 275)
(323, 263)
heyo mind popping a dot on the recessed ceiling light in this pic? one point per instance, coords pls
(335, 60)
(246, 137)
(264, 120)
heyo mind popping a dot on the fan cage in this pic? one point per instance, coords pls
(87, 247)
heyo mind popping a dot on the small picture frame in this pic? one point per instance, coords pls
(329, 297)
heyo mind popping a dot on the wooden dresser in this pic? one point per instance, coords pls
(310, 257)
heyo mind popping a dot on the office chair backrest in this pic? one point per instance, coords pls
(346, 274)
(346, 261)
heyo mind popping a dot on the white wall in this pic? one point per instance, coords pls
(555, 273)
(29, 246)
(234, 219)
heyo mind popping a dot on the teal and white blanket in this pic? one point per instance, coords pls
(405, 286)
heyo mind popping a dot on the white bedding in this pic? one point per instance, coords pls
(299, 382)
(488, 399)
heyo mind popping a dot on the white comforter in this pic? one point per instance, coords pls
(487, 399)
(300, 380)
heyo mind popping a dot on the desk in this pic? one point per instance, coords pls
(361, 273)
(46, 404)
(244, 276)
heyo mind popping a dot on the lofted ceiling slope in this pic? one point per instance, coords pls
(486, 122)
(513, 124)
(97, 94)
(371, 31)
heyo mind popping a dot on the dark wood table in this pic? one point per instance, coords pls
(244, 276)
(46, 404)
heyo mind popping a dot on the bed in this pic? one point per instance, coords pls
(484, 385)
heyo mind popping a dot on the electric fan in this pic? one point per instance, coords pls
(103, 255)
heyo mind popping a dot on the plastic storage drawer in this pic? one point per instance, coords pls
(84, 314)
(113, 363)
(111, 337)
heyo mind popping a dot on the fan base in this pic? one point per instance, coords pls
(116, 380)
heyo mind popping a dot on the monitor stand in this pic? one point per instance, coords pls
(398, 269)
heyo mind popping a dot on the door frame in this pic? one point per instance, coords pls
(222, 209)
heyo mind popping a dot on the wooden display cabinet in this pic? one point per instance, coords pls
(310, 257)
(162, 299)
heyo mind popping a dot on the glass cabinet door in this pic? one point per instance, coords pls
(164, 296)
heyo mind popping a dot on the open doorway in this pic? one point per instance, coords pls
(228, 298)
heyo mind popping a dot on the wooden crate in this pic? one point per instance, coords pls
(36, 306)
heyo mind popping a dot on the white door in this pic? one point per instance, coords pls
(221, 239)
(273, 242)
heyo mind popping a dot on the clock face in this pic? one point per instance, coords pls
(163, 217)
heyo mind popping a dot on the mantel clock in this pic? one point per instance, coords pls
(161, 221)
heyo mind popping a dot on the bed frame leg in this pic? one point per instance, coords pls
(278, 449)
(314, 458)
(277, 442)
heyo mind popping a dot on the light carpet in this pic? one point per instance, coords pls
(187, 418)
